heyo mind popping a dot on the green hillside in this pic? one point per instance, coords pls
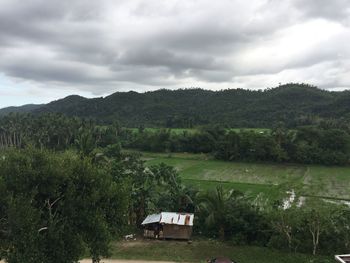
(20, 109)
(293, 104)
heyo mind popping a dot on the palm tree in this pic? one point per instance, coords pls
(183, 198)
(85, 143)
(216, 204)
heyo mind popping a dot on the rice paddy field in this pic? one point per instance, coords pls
(269, 180)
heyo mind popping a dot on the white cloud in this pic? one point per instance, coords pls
(95, 48)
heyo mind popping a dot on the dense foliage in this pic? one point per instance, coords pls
(150, 189)
(327, 143)
(315, 228)
(55, 206)
(293, 104)
(54, 131)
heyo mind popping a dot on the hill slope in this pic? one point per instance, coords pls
(20, 109)
(294, 104)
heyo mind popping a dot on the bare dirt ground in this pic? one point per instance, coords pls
(124, 261)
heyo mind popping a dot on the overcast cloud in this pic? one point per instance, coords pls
(50, 49)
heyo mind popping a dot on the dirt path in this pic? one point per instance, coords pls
(124, 261)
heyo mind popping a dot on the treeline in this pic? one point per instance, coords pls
(327, 143)
(308, 145)
(54, 131)
(294, 104)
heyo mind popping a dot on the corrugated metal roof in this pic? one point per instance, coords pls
(176, 219)
(170, 218)
(343, 258)
(155, 218)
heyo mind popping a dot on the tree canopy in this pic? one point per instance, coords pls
(56, 206)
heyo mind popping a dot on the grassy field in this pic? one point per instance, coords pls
(269, 180)
(199, 251)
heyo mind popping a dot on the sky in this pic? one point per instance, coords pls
(52, 49)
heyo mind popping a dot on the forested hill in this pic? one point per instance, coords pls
(293, 104)
(20, 109)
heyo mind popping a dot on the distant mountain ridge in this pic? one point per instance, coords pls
(20, 109)
(293, 104)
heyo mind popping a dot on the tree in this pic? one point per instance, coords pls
(56, 205)
(215, 205)
(149, 189)
(342, 225)
(314, 223)
(286, 223)
(317, 221)
(85, 143)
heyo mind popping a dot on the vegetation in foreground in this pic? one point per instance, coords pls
(200, 250)
(67, 190)
(54, 207)
(57, 207)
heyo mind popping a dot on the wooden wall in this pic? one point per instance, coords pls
(177, 232)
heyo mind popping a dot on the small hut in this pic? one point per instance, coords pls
(168, 225)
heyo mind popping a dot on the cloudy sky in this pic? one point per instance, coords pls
(50, 49)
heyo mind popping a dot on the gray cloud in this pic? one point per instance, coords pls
(103, 46)
(337, 10)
